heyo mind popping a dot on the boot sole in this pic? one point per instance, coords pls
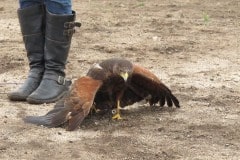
(17, 98)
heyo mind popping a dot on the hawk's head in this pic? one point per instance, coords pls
(123, 68)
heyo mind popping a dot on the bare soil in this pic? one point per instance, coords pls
(193, 46)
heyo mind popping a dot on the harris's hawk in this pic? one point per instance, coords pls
(111, 84)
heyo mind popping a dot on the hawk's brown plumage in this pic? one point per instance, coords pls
(108, 85)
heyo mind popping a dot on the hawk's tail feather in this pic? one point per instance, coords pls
(53, 118)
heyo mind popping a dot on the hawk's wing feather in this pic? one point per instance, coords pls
(146, 85)
(74, 108)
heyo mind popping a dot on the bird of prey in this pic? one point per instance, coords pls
(111, 84)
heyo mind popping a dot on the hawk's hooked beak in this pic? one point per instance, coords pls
(124, 75)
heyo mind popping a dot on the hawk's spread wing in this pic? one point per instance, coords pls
(74, 108)
(145, 85)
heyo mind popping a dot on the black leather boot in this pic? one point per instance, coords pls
(59, 31)
(31, 22)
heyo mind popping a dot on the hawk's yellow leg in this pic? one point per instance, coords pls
(117, 115)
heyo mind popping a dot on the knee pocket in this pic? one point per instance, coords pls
(61, 2)
(59, 6)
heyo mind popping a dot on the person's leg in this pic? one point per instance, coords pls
(59, 30)
(31, 19)
(28, 3)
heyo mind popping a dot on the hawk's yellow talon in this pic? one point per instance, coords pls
(117, 116)
(94, 109)
(97, 110)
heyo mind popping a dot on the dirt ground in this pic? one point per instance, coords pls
(192, 45)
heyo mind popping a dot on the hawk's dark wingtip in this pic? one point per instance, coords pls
(175, 101)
